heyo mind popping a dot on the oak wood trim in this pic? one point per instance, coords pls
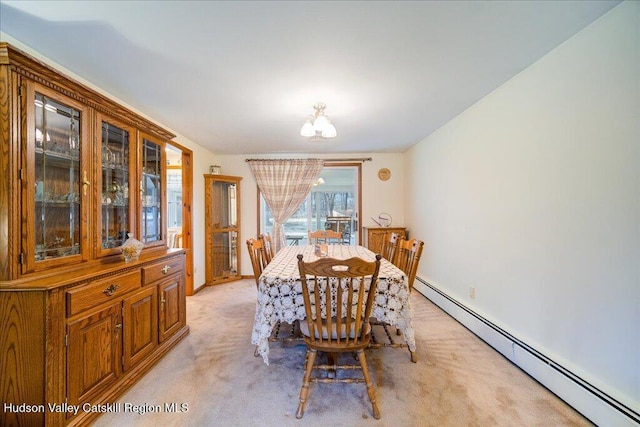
(187, 219)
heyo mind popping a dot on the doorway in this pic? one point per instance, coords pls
(179, 179)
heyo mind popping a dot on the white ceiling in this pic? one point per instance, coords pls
(241, 77)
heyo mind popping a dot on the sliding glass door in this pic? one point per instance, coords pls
(333, 204)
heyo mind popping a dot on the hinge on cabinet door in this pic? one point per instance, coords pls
(19, 90)
(21, 177)
(66, 340)
(21, 258)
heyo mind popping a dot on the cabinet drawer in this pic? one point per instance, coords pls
(162, 269)
(94, 293)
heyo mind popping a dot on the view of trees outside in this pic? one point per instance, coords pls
(312, 214)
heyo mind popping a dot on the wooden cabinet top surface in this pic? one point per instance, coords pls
(88, 271)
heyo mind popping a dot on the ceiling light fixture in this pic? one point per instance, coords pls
(318, 127)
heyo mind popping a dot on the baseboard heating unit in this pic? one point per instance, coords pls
(595, 404)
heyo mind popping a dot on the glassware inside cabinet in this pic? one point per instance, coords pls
(151, 192)
(115, 185)
(57, 179)
(224, 198)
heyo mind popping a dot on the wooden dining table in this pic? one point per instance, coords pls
(280, 298)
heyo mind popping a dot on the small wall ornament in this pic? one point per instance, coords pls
(384, 174)
(215, 170)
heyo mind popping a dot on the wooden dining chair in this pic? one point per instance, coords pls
(257, 256)
(389, 245)
(338, 306)
(268, 246)
(407, 258)
(324, 236)
(177, 243)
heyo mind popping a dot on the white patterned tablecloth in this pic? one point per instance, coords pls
(280, 293)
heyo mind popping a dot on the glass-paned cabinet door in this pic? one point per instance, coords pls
(222, 227)
(115, 178)
(152, 157)
(56, 202)
(225, 253)
(224, 212)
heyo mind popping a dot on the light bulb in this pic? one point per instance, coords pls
(329, 131)
(321, 123)
(307, 129)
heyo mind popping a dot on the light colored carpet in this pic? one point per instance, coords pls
(458, 380)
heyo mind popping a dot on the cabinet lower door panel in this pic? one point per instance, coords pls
(140, 324)
(93, 354)
(172, 310)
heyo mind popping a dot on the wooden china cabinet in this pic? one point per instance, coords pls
(79, 174)
(222, 228)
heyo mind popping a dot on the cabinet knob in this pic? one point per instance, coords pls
(111, 289)
(166, 269)
(118, 325)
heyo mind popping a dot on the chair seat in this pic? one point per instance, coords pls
(304, 328)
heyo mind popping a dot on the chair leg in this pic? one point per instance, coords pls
(371, 390)
(304, 391)
(332, 359)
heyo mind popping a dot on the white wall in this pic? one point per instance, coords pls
(377, 196)
(532, 196)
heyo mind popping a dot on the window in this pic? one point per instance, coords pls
(174, 198)
(332, 204)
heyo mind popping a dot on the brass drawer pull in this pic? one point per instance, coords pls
(166, 269)
(110, 290)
